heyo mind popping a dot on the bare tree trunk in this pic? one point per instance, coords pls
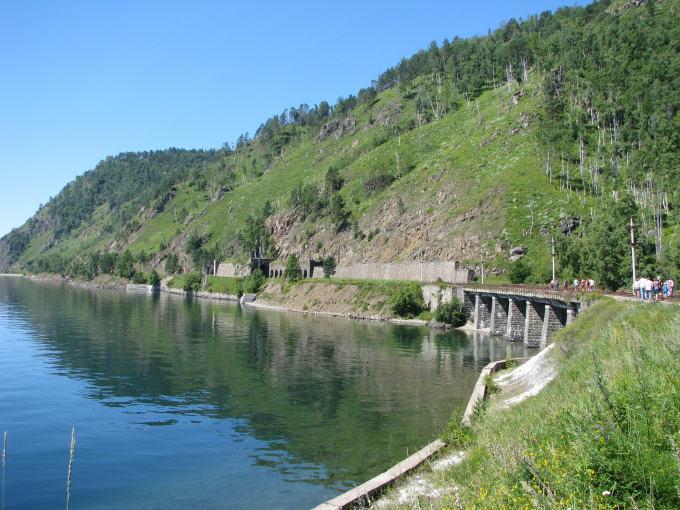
(581, 153)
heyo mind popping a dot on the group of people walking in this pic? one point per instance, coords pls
(648, 289)
(584, 285)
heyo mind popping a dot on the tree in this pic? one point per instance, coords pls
(203, 259)
(252, 283)
(451, 313)
(338, 213)
(408, 301)
(192, 282)
(292, 270)
(193, 243)
(171, 264)
(107, 262)
(154, 278)
(329, 266)
(138, 278)
(519, 272)
(324, 110)
(124, 266)
(254, 236)
(334, 181)
(605, 249)
(93, 263)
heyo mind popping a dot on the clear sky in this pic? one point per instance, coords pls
(82, 80)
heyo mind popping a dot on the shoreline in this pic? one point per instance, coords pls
(374, 487)
(232, 297)
(124, 285)
(357, 316)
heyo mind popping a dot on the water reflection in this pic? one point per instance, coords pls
(330, 401)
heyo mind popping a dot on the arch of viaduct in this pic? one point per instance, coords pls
(520, 314)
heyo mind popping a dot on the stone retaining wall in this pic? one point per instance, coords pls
(229, 270)
(448, 271)
(434, 295)
(139, 288)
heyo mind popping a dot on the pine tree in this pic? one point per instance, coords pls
(293, 271)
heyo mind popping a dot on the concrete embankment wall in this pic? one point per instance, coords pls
(139, 289)
(229, 270)
(201, 294)
(434, 295)
(447, 271)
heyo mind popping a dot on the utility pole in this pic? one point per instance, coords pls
(553, 255)
(481, 258)
(632, 244)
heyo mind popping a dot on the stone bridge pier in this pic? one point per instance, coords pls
(520, 314)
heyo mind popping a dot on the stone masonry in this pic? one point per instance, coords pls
(447, 271)
(554, 318)
(534, 324)
(482, 312)
(517, 311)
(529, 315)
(499, 316)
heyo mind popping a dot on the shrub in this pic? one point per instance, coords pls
(192, 282)
(154, 279)
(451, 313)
(193, 243)
(252, 283)
(138, 278)
(378, 181)
(408, 301)
(519, 272)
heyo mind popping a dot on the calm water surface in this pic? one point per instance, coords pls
(182, 403)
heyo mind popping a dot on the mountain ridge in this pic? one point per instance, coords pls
(460, 152)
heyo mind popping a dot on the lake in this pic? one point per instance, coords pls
(196, 403)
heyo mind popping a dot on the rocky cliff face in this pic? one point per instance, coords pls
(419, 231)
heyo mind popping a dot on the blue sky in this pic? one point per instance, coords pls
(80, 81)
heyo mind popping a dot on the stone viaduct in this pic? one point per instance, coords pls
(530, 315)
(517, 312)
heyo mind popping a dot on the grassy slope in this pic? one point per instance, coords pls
(360, 298)
(602, 434)
(469, 188)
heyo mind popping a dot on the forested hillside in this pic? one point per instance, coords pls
(560, 125)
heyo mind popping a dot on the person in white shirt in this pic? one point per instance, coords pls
(643, 287)
(648, 289)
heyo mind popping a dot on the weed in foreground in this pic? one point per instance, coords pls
(604, 434)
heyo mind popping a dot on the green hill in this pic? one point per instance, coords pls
(559, 125)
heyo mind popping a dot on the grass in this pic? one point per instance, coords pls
(466, 165)
(215, 284)
(367, 296)
(603, 434)
(474, 174)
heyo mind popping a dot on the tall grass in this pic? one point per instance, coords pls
(4, 456)
(603, 434)
(70, 466)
